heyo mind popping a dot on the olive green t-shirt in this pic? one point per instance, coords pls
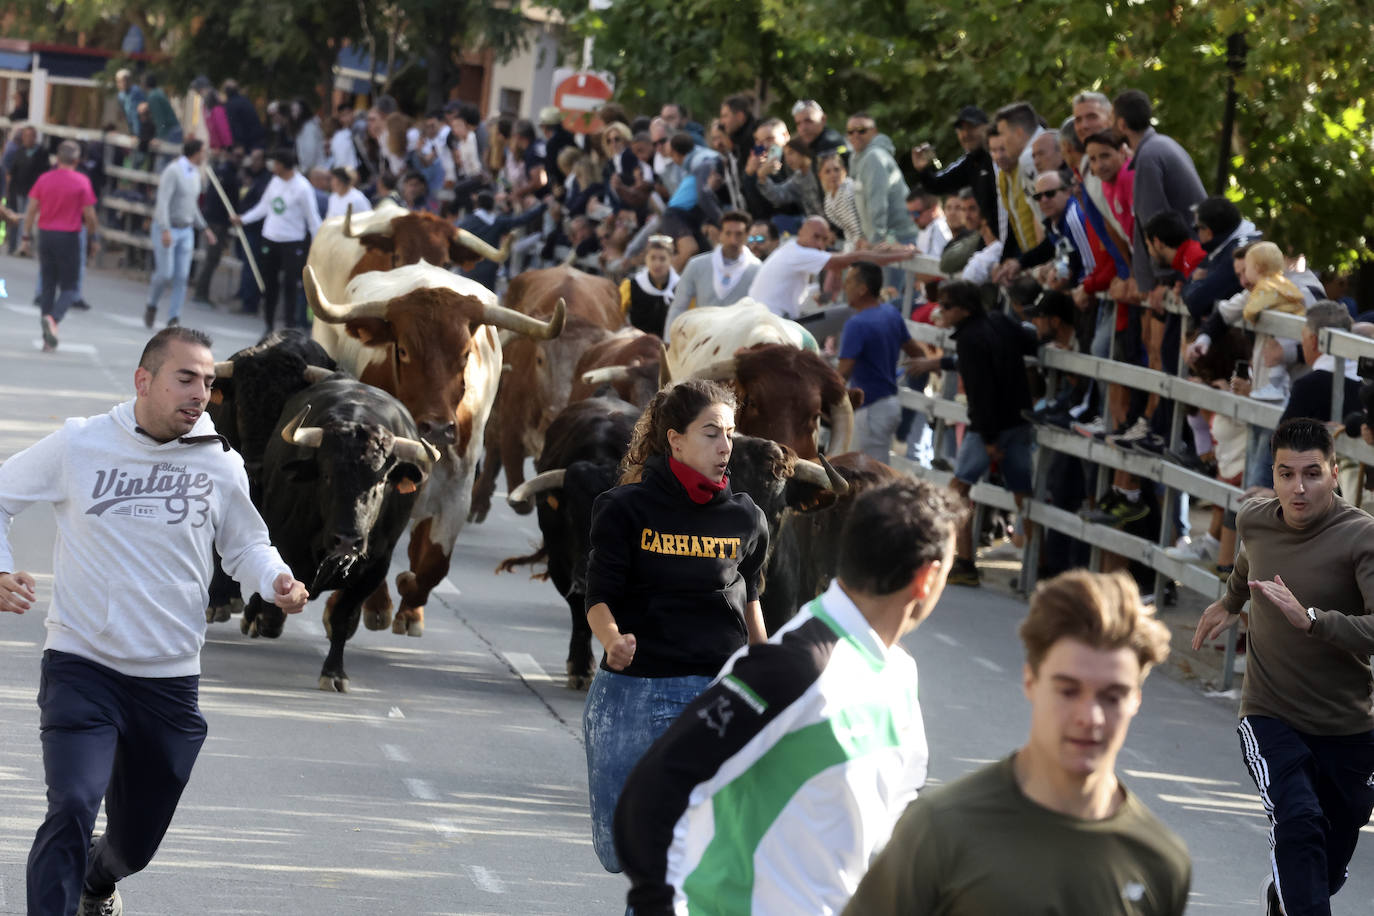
(978, 846)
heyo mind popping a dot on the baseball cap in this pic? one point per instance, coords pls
(970, 114)
(1051, 304)
(549, 115)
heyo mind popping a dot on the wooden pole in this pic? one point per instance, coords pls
(243, 237)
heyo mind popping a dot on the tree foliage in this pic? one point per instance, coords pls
(1301, 162)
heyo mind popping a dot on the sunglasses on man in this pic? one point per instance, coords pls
(1041, 195)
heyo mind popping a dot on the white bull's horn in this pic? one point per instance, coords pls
(606, 375)
(306, 436)
(665, 373)
(722, 370)
(473, 243)
(502, 317)
(224, 369)
(313, 374)
(385, 229)
(549, 480)
(841, 423)
(416, 450)
(331, 313)
(819, 475)
(348, 223)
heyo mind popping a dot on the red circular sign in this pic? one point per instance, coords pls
(579, 96)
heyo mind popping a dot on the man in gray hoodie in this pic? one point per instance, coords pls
(144, 496)
(881, 190)
(176, 217)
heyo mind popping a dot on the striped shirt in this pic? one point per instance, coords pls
(775, 789)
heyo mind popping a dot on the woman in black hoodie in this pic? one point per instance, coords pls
(672, 584)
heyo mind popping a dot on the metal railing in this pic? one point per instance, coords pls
(945, 412)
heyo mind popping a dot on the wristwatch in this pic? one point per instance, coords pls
(1311, 618)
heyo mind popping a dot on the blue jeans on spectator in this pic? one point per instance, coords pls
(973, 461)
(171, 266)
(624, 715)
(249, 294)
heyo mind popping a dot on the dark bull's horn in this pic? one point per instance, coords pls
(313, 374)
(305, 436)
(501, 317)
(819, 475)
(331, 313)
(416, 450)
(549, 480)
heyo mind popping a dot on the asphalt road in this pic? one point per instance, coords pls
(451, 779)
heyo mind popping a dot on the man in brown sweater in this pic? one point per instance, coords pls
(1306, 722)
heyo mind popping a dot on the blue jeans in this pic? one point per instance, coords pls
(171, 266)
(623, 717)
(129, 740)
(973, 460)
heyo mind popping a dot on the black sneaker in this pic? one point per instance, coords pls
(1117, 513)
(964, 572)
(1150, 443)
(942, 464)
(49, 325)
(173, 322)
(81, 305)
(149, 316)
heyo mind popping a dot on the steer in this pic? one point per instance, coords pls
(539, 380)
(429, 337)
(628, 362)
(804, 557)
(337, 494)
(770, 473)
(250, 389)
(703, 336)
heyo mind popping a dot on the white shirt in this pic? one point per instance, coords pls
(781, 281)
(338, 204)
(979, 267)
(933, 238)
(289, 208)
(342, 153)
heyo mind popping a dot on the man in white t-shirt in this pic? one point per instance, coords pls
(781, 281)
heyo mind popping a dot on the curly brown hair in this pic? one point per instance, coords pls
(674, 407)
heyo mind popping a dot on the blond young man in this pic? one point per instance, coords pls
(1051, 824)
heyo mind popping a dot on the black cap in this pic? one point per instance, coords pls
(201, 83)
(1051, 304)
(971, 114)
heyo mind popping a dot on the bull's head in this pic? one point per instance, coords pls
(428, 336)
(355, 468)
(415, 237)
(783, 392)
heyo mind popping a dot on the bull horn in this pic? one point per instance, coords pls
(606, 375)
(838, 485)
(224, 369)
(820, 474)
(502, 317)
(305, 436)
(665, 374)
(722, 370)
(549, 480)
(473, 243)
(348, 223)
(313, 374)
(416, 450)
(841, 423)
(331, 313)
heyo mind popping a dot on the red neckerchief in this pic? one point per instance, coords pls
(699, 487)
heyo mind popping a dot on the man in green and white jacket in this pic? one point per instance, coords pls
(774, 790)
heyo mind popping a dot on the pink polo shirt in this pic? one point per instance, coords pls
(1120, 194)
(61, 194)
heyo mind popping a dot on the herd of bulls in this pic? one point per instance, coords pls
(417, 387)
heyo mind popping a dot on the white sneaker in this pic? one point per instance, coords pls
(1268, 898)
(1095, 428)
(1191, 550)
(1269, 393)
(1138, 430)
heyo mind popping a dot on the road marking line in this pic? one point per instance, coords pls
(395, 713)
(419, 788)
(485, 880)
(395, 753)
(947, 640)
(525, 666)
(988, 664)
(2, 892)
(446, 828)
(23, 309)
(445, 587)
(87, 349)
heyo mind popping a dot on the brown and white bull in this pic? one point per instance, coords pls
(706, 335)
(429, 337)
(538, 374)
(386, 238)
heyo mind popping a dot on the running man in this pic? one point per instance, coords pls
(772, 791)
(1306, 722)
(144, 495)
(1050, 826)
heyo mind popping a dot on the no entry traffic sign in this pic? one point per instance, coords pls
(578, 96)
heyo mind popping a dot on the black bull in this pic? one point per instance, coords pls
(251, 387)
(340, 476)
(581, 457)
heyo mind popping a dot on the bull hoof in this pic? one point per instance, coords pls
(578, 680)
(217, 613)
(248, 627)
(377, 620)
(477, 516)
(333, 684)
(415, 628)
